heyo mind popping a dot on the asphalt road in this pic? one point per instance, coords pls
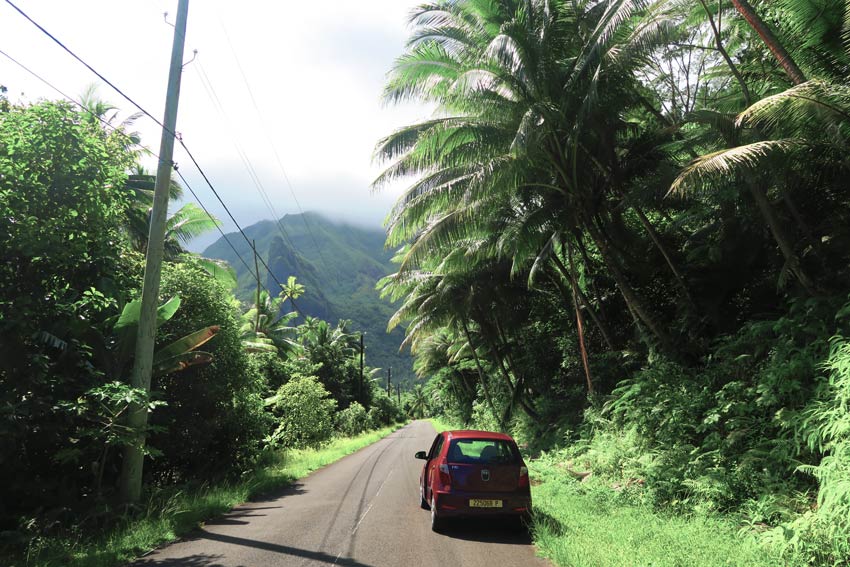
(361, 511)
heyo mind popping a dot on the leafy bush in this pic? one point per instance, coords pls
(353, 420)
(384, 412)
(215, 420)
(823, 536)
(304, 410)
(64, 269)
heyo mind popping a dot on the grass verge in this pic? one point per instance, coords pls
(168, 514)
(441, 424)
(585, 525)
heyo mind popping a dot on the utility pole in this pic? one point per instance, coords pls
(398, 393)
(389, 380)
(130, 485)
(257, 270)
(360, 385)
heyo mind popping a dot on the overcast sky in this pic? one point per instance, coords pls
(316, 71)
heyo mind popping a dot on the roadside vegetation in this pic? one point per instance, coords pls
(171, 513)
(625, 241)
(245, 396)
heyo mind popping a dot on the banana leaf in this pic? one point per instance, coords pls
(186, 344)
(132, 312)
(180, 362)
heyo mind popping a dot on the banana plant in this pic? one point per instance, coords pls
(174, 357)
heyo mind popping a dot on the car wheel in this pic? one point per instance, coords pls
(422, 502)
(436, 521)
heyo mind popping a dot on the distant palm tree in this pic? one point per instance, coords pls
(418, 403)
(316, 334)
(265, 329)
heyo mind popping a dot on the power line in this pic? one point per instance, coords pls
(242, 232)
(135, 142)
(149, 115)
(89, 67)
(249, 166)
(232, 247)
(271, 143)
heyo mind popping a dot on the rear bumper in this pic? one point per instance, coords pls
(452, 504)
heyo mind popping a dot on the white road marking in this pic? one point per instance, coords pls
(372, 502)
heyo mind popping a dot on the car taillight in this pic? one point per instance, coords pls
(523, 477)
(445, 477)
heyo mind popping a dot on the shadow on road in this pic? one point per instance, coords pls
(264, 545)
(202, 560)
(488, 530)
(272, 495)
(234, 518)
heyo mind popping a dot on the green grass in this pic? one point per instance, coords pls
(442, 424)
(168, 514)
(579, 526)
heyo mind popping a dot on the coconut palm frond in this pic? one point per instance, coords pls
(727, 165)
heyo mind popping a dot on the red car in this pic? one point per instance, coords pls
(473, 473)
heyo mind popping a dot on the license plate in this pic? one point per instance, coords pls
(476, 503)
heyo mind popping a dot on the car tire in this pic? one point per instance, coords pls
(436, 521)
(422, 502)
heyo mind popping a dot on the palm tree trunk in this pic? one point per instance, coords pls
(481, 373)
(518, 397)
(725, 54)
(573, 296)
(653, 235)
(580, 324)
(585, 305)
(777, 49)
(632, 299)
(782, 240)
(589, 265)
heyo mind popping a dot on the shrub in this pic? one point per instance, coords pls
(823, 536)
(215, 420)
(353, 420)
(304, 410)
(384, 412)
(62, 202)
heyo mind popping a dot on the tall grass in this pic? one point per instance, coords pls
(587, 524)
(170, 513)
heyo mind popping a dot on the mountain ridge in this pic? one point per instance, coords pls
(338, 263)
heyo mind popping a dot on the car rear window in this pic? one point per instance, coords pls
(482, 451)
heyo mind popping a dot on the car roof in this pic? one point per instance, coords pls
(476, 434)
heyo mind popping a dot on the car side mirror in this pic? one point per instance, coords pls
(421, 455)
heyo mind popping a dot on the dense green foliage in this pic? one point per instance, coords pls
(626, 236)
(233, 385)
(61, 202)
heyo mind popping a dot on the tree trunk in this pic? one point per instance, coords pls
(719, 43)
(518, 396)
(603, 330)
(630, 296)
(777, 49)
(580, 325)
(782, 240)
(481, 374)
(653, 235)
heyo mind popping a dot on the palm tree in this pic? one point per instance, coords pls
(265, 329)
(418, 403)
(185, 224)
(773, 44)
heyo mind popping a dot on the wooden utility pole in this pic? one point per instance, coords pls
(130, 485)
(398, 393)
(389, 380)
(257, 270)
(360, 385)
